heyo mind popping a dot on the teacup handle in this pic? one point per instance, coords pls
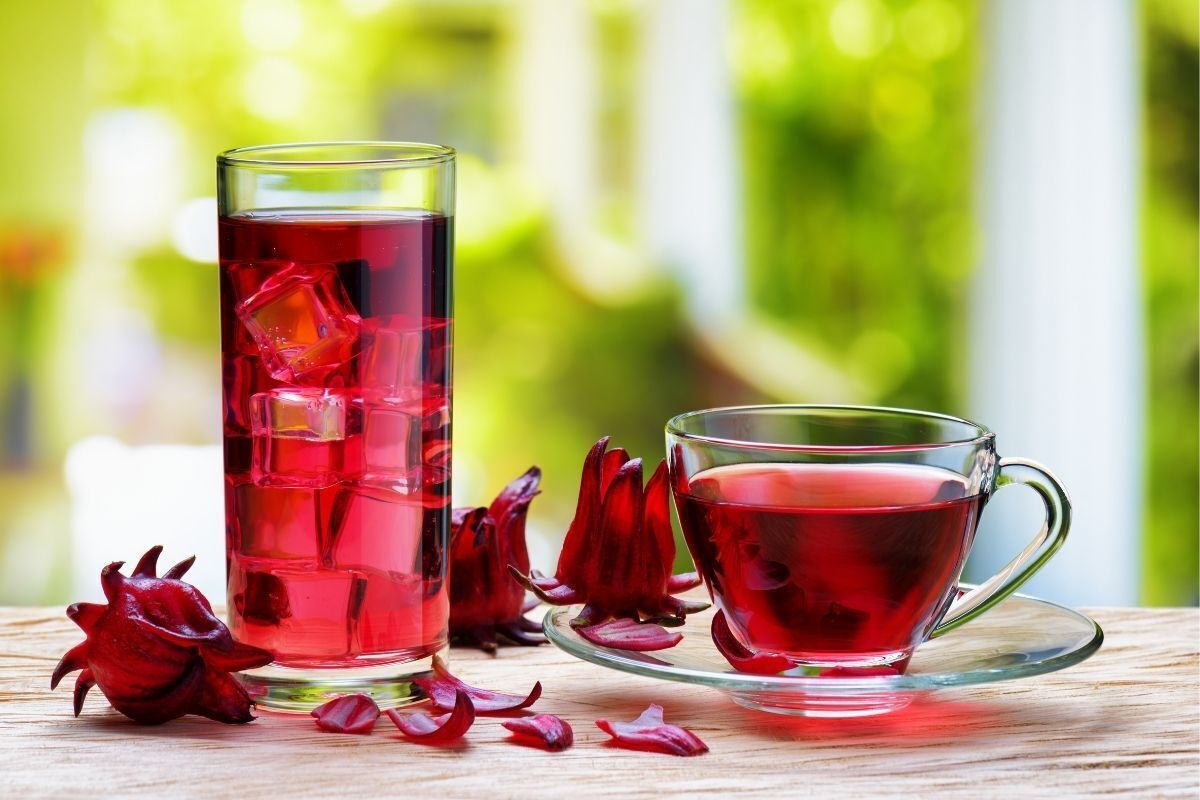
(1028, 561)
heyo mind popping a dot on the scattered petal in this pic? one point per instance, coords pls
(443, 690)
(740, 656)
(552, 732)
(350, 713)
(627, 634)
(650, 732)
(420, 727)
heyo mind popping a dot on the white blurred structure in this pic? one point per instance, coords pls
(1056, 317)
(689, 202)
(126, 499)
(688, 158)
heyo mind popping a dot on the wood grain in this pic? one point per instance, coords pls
(1125, 722)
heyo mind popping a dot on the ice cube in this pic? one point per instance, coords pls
(302, 322)
(403, 359)
(392, 614)
(376, 531)
(280, 523)
(299, 614)
(303, 437)
(391, 444)
(392, 363)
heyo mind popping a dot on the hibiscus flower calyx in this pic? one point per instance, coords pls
(618, 553)
(156, 650)
(487, 605)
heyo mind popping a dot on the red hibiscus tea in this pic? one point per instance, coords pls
(830, 562)
(336, 351)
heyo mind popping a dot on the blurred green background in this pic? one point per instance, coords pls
(108, 296)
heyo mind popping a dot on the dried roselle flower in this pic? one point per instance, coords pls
(350, 713)
(650, 732)
(420, 727)
(618, 552)
(443, 689)
(485, 601)
(741, 657)
(156, 650)
(549, 731)
(628, 634)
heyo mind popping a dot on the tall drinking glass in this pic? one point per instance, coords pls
(336, 327)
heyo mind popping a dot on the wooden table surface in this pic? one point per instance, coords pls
(1125, 722)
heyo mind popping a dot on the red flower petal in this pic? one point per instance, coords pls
(553, 732)
(549, 590)
(86, 615)
(237, 658)
(610, 464)
(657, 535)
(618, 564)
(443, 690)
(222, 698)
(83, 684)
(741, 657)
(682, 582)
(420, 727)
(73, 659)
(650, 732)
(185, 696)
(578, 539)
(509, 510)
(627, 634)
(350, 713)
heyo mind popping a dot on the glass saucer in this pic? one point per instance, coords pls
(1022, 636)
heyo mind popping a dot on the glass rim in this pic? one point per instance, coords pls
(399, 154)
(673, 428)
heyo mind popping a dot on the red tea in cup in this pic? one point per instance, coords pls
(819, 560)
(836, 535)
